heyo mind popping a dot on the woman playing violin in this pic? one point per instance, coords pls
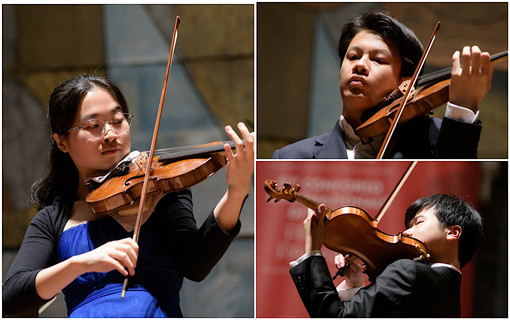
(449, 227)
(68, 248)
(377, 53)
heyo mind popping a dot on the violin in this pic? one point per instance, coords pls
(432, 94)
(172, 170)
(351, 230)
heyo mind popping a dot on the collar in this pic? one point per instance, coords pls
(439, 265)
(354, 144)
(350, 137)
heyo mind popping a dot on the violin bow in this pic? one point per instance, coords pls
(395, 191)
(139, 215)
(400, 110)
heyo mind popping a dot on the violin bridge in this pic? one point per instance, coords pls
(399, 92)
(404, 86)
(141, 161)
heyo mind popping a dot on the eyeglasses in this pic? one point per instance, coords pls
(96, 128)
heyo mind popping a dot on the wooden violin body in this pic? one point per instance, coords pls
(350, 230)
(422, 102)
(169, 173)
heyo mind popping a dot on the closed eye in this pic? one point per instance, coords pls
(380, 60)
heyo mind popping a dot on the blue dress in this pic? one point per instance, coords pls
(97, 294)
(170, 247)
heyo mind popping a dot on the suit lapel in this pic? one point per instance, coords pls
(331, 146)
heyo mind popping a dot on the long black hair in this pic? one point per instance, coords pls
(62, 177)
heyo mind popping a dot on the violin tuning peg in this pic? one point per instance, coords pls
(269, 199)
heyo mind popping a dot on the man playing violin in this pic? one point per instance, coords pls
(68, 248)
(451, 230)
(377, 53)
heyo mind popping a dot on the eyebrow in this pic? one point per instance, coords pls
(413, 220)
(374, 50)
(94, 115)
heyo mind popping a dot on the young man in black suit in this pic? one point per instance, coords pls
(377, 53)
(450, 228)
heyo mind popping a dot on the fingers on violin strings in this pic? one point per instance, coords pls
(311, 213)
(466, 60)
(249, 140)
(233, 135)
(476, 56)
(456, 63)
(321, 212)
(247, 136)
(485, 61)
(248, 147)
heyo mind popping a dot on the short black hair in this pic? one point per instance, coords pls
(451, 211)
(390, 29)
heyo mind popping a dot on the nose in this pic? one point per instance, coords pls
(109, 133)
(361, 66)
(408, 232)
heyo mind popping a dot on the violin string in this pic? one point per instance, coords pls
(444, 74)
(209, 148)
(180, 153)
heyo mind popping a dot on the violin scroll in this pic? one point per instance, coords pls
(287, 192)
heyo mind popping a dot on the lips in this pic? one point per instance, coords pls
(357, 80)
(110, 151)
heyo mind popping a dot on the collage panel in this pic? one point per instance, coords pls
(338, 63)
(411, 241)
(69, 244)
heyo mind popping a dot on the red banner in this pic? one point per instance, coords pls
(366, 184)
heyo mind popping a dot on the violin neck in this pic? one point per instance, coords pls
(177, 154)
(446, 73)
(314, 205)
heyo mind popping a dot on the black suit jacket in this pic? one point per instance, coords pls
(421, 138)
(405, 288)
